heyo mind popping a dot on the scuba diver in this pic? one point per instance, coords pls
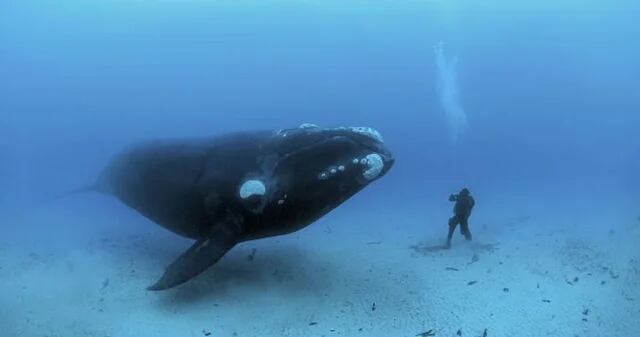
(461, 212)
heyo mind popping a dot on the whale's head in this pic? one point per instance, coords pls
(358, 154)
(320, 168)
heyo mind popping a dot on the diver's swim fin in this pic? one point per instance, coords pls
(203, 254)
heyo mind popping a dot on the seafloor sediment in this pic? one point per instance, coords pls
(520, 277)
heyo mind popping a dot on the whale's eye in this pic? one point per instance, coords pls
(252, 187)
(373, 165)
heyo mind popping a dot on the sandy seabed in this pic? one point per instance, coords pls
(346, 275)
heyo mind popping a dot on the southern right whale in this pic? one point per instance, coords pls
(228, 189)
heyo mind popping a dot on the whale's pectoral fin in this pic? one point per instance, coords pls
(203, 254)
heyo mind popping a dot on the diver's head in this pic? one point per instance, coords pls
(464, 191)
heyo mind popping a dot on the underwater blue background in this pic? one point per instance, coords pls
(550, 91)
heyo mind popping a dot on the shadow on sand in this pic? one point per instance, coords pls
(272, 269)
(249, 273)
(425, 249)
(282, 270)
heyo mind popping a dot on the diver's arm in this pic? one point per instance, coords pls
(453, 197)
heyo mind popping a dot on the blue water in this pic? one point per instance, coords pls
(532, 105)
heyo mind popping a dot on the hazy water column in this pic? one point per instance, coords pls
(448, 92)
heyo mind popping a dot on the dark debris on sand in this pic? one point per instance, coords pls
(252, 256)
(585, 313)
(105, 284)
(427, 333)
(474, 259)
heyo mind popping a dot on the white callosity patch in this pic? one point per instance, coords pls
(333, 170)
(252, 187)
(308, 126)
(366, 131)
(285, 132)
(374, 165)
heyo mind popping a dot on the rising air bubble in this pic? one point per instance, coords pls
(449, 93)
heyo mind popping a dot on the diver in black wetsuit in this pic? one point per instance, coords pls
(461, 212)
